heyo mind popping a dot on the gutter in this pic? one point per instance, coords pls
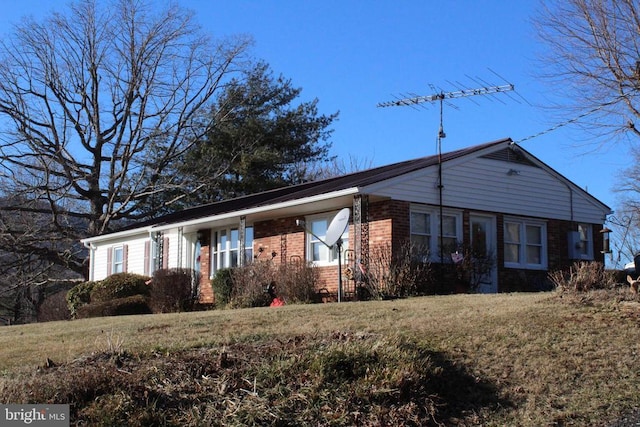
(115, 235)
(247, 212)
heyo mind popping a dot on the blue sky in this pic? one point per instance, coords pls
(353, 54)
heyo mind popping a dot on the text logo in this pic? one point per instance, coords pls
(34, 415)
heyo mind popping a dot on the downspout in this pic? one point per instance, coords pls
(570, 201)
(92, 250)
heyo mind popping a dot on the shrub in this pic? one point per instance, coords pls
(473, 266)
(297, 282)
(134, 304)
(173, 290)
(54, 308)
(401, 274)
(249, 285)
(79, 295)
(583, 276)
(119, 285)
(222, 285)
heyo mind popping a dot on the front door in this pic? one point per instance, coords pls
(483, 248)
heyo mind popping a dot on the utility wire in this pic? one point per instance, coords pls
(573, 120)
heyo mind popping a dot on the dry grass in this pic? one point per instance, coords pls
(520, 359)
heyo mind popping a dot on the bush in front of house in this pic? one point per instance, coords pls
(111, 296)
(249, 285)
(404, 273)
(79, 295)
(583, 276)
(119, 285)
(222, 285)
(173, 290)
(134, 304)
(297, 282)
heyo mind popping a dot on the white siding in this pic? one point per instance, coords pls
(181, 248)
(135, 255)
(484, 184)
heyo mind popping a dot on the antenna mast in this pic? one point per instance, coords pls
(440, 97)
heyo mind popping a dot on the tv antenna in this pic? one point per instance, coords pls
(332, 238)
(441, 97)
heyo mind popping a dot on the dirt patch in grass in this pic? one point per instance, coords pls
(340, 379)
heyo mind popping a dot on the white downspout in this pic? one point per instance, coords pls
(92, 251)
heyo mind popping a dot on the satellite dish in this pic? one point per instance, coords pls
(338, 224)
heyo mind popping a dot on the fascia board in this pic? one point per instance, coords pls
(260, 209)
(117, 235)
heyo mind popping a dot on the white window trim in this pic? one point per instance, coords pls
(114, 264)
(523, 222)
(309, 237)
(216, 251)
(434, 238)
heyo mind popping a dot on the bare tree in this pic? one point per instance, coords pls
(593, 55)
(96, 105)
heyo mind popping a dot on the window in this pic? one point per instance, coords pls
(425, 230)
(525, 244)
(118, 260)
(248, 244)
(225, 248)
(586, 241)
(421, 230)
(449, 232)
(317, 251)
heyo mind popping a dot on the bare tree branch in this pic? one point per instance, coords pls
(97, 102)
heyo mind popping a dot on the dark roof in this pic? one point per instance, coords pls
(312, 188)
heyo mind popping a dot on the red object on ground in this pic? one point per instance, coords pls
(277, 302)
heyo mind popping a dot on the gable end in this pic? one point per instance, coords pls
(510, 156)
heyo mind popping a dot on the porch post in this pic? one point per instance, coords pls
(242, 232)
(361, 229)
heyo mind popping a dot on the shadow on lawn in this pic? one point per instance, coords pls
(460, 394)
(343, 379)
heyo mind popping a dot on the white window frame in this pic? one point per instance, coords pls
(223, 257)
(434, 224)
(588, 243)
(328, 256)
(117, 266)
(523, 244)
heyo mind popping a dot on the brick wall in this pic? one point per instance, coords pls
(389, 224)
(206, 292)
(280, 236)
(517, 280)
